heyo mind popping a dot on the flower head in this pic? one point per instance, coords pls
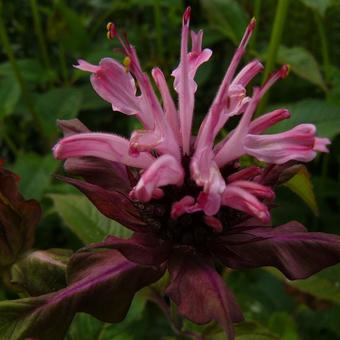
(190, 203)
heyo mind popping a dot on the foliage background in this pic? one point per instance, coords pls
(41, 39)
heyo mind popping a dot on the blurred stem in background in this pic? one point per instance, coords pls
(63, 64)
(159, 30)
(17, 73)
(257, 13)
(324, 44)
(274, 44)
(39, 33)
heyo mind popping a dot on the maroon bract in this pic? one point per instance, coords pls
(18, 219)
(192, 203)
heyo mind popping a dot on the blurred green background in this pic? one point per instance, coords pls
(41, 39)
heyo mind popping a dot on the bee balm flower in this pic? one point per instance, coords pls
(190, 203)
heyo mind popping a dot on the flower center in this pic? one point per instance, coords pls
(188, 229)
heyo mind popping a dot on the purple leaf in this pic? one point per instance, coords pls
(289, 247)
(200, 293)
(18, 219)
(106, 174)
(101, 283)
(112, 204)
(142, 248)
(71, 126)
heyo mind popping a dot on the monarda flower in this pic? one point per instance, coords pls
(188, 200)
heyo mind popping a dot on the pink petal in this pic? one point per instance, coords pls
(184, 75)
(86, 66)
(209, 202)
(165, 170)
(233, 147)
(221, 99)
(245, 174)
(295, 144)
(185, 87)
(101, 145)
(111, 81)
(256, 189)
(159, 125)
(274, 77)
(267, 120)
(185, 205)
(248, 73)
(168, 103)
(214, 223)
(240, 199)
(205, 173)
(320, 144)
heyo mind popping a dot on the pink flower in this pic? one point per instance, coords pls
(186, 197)
(167, 131)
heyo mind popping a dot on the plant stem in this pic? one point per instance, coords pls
(324, 44)
(274, 43)
(159, 30)
(17, 73)
(63, 64)
(257, 12)
(39, 33)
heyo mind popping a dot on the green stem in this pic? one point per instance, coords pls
(324, 44)
(159, 29)
(63, 64)
(17, 73)
(275, 40)
(257, 12)
(39, 33)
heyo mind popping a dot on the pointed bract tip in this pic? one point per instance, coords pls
(111, 30)
(284, 71)
(252, 23)
(286, 114)
(186, 15)
(86, 66)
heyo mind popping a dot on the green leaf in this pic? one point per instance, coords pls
(35, 172)
(83, 218)
(41, 271)
(326, 187)
(91, 101)
(61, 103)
(253, 331)
(282, 323)
(85, 326)
(68, 28)
(325, 285)
(32, 71)
(302, 64)
(325, 116)
(101, 283)
(318, 5)
(9, 95)
(227, 16)
(302, 185)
